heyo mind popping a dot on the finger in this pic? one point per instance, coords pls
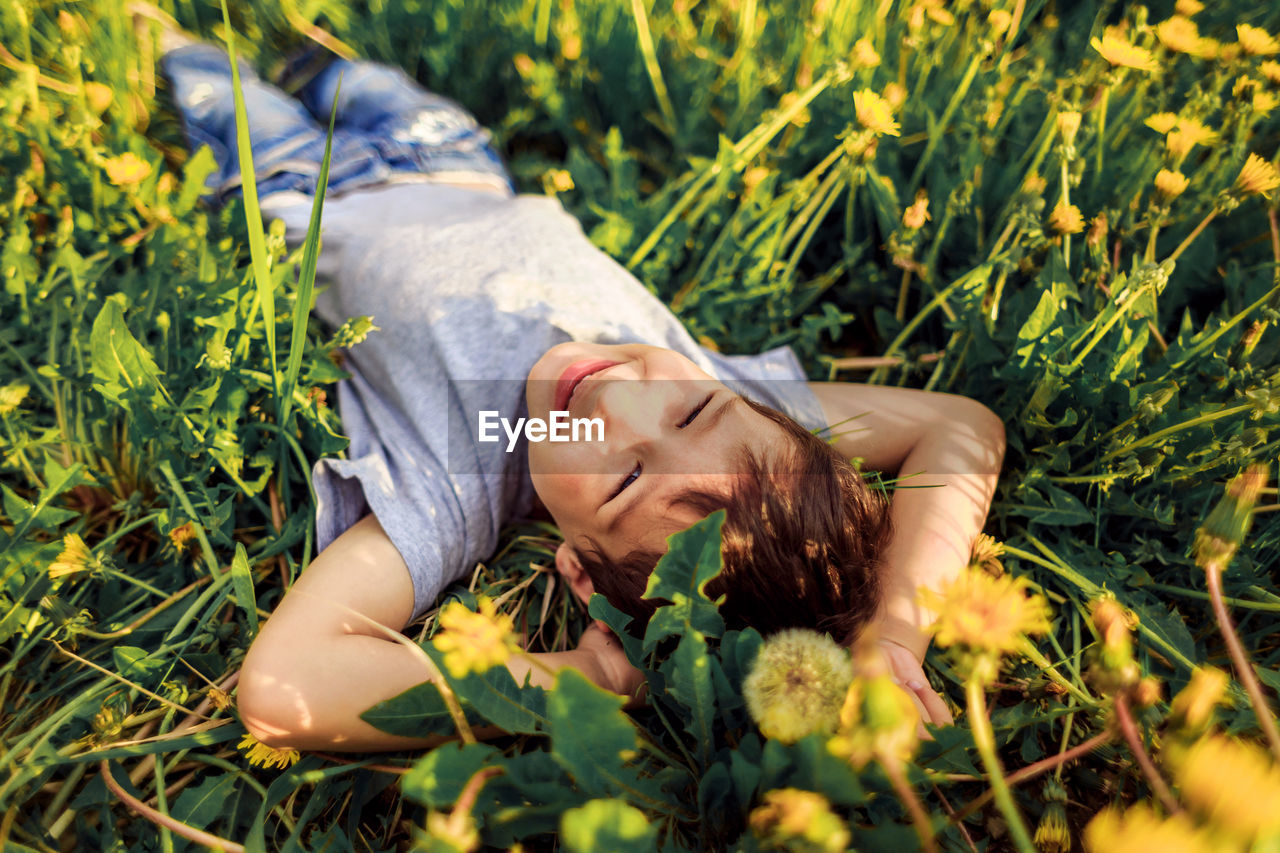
(936, 710)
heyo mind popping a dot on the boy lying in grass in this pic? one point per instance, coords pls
(488, 301)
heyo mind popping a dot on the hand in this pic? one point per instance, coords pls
(909, 675)
(615, 671)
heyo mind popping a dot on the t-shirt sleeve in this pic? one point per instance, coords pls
(774, 378)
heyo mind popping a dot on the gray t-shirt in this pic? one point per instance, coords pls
(468, 290)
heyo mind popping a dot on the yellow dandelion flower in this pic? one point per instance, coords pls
(1066, 219)
(1068, 122)
(1052, 834)
(1181, 34)
(220, 699)
(1169, 184)
(1264, 102)
(182, 536)
(1193, 706)
(259, 754)
(986, 554)
(126, 169)
(99, 97)
(1256, 41)
(12, 395)
(1186, 135)
(1271, 70)
(797, 684)
(789, 814)
(1188, 7)
(875, 113)
(1257, 177)
(1233, 784)
(985, 613)
(1162, 122)
(1034, 184)
(75, 558)
(1122, 53)
(999, 21)
(864, 54)
(1141, 830)
(557, 181)
(474, 641)
(937, 14)
(917, 214)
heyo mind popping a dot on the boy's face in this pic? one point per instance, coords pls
(668, 427)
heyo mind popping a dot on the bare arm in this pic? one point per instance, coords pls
(316, 666)
(954, 444)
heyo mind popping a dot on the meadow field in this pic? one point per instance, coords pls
(1069, 211)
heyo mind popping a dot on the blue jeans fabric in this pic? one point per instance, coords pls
(386, 125)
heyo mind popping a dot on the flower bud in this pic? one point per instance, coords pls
(1192, 708)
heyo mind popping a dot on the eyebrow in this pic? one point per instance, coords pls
(708, 424)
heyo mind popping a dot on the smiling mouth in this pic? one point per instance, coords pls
(573, 376)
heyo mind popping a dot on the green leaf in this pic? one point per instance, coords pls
(681, 576)
(202, 804)
(690, 684)
(307, 277)
(416, 712)
(607, 825)
(620, 623)
(134, 664)
(437, 779)
(593, 741)
(249, 187)
(242, 577)
(122, 368)
(1037, 325)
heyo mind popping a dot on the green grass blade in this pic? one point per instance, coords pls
(307, 277)
(252, 213)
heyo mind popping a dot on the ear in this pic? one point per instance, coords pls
(571, 570)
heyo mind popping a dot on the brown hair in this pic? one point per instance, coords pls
(801, 545)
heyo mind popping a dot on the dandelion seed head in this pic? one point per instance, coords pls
(797, 684)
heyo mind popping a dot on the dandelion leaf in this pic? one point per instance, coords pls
(436, 780)
(123, 370)
(594, 741)
(681, 576)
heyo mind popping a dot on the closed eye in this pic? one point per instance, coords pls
(631, 477)
(697, 411)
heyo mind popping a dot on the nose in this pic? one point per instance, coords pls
(634, 412)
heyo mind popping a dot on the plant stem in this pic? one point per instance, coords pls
(985, 741)
(1244, 669)
(189, 832)
(924, 828)
(1031, 771)
(1195, 232)
(1159, 434)
(1129, 729)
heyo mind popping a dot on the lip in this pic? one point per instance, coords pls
(573, 375)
